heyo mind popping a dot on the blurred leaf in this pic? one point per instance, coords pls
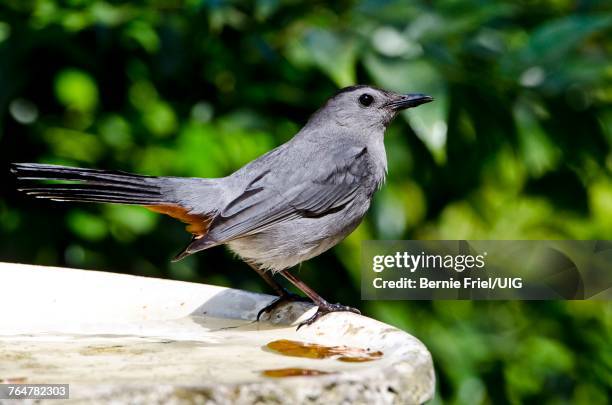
(600, 196)
(159, 118)
(397, 207)
(115, 131)
(143, 34)
(76, 89)
(265, 8)
(334, 53)
(142, 94)
(87, 226)
(9, 219)
(418, 76)
(76, 20)
(129, 221)
(537, 360)
(158, 161)
(5, 31)
(551, 41)
(199, 146)
(109, 14)
(75, 145)
(539, 153)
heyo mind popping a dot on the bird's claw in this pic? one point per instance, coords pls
(281, 300)
(323, 310)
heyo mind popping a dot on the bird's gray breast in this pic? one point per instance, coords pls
(303, 206)
(288, 243)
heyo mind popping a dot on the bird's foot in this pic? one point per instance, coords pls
(286, 298)
(325, 309)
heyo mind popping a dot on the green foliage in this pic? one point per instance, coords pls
(76, 90)
(516, 146)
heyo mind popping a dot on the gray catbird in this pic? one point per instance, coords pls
(287, 206)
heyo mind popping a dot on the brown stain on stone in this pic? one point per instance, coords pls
(348, 359)
(315, 351)
(293, 372)
(98, 350)
(13, 380)
(15, 356)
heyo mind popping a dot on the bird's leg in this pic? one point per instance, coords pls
(284, 296)
(324, 306)
(276, 286)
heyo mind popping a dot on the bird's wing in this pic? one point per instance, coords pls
(315, 190)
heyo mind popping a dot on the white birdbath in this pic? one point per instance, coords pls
(129, 339)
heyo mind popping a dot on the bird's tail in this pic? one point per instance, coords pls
(192, 201)
(89, 185)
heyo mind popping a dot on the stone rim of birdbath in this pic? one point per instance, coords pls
(69, 311)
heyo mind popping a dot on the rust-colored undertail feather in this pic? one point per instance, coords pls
(197, 224)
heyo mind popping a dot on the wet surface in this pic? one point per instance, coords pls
(189, 350)
(317, 351)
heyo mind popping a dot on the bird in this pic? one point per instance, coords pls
(287, 206)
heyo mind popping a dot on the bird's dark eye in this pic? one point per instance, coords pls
(365, 100)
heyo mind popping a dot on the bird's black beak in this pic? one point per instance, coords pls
(409, 101)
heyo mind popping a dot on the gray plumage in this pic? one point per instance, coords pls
(287, 206)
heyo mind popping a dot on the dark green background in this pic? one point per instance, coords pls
(516, 146)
